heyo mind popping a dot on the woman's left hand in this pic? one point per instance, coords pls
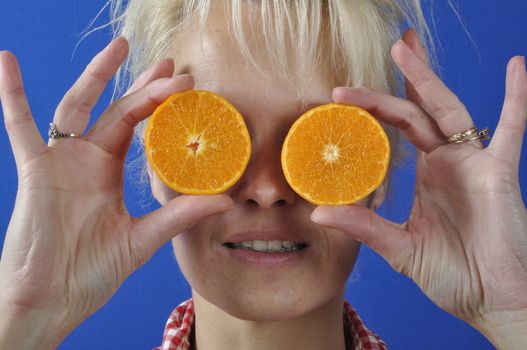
(465, 241)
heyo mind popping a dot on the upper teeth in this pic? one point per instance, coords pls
(268, 246)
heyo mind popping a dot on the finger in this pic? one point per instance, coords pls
(23, 133)
(411, 38)
(117, 123)
(438, 101)
(73, 112)
(413, 122)
(162, 69)
(153, 230)
(507, 141)
(385, 237)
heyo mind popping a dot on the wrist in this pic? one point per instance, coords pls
(505, 330)
(29, 328)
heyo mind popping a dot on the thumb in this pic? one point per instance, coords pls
(385, 237)
(151, 231)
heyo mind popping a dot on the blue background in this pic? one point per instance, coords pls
(43, 35)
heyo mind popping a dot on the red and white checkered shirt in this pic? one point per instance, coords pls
(180, 323)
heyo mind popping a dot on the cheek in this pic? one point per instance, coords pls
(196, 257)
(342, 249)
(342, 254)
(192, 252)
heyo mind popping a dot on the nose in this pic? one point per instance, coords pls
(263, 183)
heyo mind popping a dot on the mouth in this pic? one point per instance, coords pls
(276, 246)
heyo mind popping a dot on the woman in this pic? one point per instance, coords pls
(71, 242)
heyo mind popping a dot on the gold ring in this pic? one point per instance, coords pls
(468, 135)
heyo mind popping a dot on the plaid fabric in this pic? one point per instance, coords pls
(180, 323)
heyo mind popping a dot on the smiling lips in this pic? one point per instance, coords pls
(267, 246)
(276, 241)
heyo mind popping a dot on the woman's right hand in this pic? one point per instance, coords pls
(71, 242)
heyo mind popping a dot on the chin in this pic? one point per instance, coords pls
(275, 307)
(267, 304)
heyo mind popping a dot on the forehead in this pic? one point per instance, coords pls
(212, 55)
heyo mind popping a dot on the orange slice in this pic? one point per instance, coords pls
(197, 143)
(335, 154)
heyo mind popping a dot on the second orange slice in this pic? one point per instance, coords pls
(335, 154)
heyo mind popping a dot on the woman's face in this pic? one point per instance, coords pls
(264, 202)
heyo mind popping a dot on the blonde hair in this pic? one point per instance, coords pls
(355, 36)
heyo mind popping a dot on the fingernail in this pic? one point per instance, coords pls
(516, 65)
(318, 217)
(121, 44)
(225, 202)
(400, 41)
(6, 52)
(339, 92)
(183, 76)
(2, 53)
(186, 79)
(10, 68)
(121, 38)
(335, 92)
(522, 63)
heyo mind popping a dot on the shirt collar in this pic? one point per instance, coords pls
(179, 325)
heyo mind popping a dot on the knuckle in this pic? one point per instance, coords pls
(136, 249)
(21, 120)
(401, 261)
(370, 222)
(368, 97)
(448, 110)
(423, 81)
(128, 112)
(84, 108)
(511, 124)
(120, 109)
(97, 74)
(71, 103)
(412, 117)
(151, 98)
(514, 95)
(17, 90)
(125, 113)
(363, 91)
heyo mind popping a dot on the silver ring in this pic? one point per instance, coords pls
(54, 133)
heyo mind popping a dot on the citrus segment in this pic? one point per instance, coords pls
(335, 154)
(197, 143)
